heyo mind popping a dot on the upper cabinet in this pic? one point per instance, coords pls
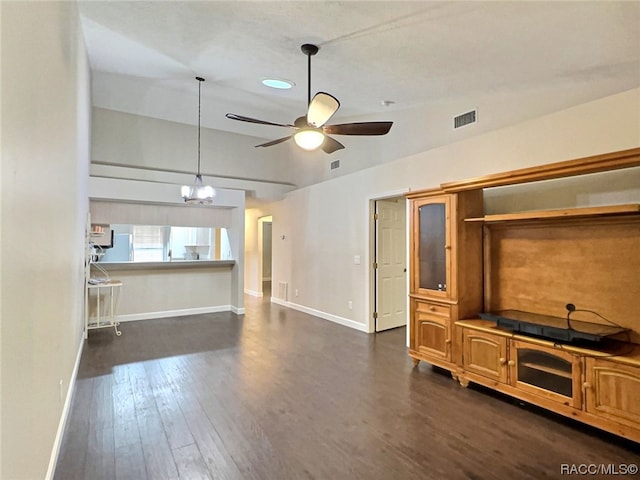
(446, 258)
(432, 255)
(446, 251)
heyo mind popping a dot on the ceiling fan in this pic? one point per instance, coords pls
(311, 129)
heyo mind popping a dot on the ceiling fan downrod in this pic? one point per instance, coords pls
(309, 50)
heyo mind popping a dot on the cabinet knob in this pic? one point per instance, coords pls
(586, 385)
(447, 341)
(433, 309)
(503, 361)
(511, 363)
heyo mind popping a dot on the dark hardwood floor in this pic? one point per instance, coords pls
(278, 394)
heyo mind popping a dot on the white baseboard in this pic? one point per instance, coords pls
(176, 313)
(57, 443)
(253, 293)
(324, 315)
(277, 301)
(236, 310)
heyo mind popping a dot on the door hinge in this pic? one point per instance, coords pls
(375, 315)
(375, 265)
(376, 216)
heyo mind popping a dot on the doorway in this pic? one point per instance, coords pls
(390, 263)
(265, 259)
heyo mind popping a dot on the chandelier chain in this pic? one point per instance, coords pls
(199, 96)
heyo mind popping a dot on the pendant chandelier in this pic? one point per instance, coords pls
(198, 193)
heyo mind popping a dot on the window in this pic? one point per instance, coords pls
(157, 243)
(149, 243)
(192, 243)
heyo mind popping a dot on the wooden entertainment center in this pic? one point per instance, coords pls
(573, 264)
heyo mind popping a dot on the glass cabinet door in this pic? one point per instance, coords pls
(432, 246)
(547, 372)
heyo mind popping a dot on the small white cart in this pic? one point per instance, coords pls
(101, 305)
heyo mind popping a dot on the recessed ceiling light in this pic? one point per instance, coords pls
(278, 83)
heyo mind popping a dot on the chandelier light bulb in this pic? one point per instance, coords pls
(198, 194)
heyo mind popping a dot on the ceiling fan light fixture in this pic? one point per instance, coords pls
(309, 138)
(278, 83)
(198, 193)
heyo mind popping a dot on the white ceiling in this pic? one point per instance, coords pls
(526, 58)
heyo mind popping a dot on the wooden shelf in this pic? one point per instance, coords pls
(550, 370)
(628, 209)
(569, 168)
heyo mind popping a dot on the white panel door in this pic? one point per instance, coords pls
(391, 285)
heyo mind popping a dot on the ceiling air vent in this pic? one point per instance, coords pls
(465, 119)
(335, 164)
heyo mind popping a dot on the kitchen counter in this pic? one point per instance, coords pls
(109, 266)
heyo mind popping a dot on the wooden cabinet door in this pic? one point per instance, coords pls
(485, 354)
(432, 329)
(612, 391)
(546, 372)
(431, 247)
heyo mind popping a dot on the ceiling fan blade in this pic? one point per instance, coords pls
(330, 145)
(362, 128)
(321, 109)
(233, 116)
(274, 142)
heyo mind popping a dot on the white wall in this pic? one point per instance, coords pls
(325, 225)
(170, 291)
(45, 156)
(154, 146)
(180, 215)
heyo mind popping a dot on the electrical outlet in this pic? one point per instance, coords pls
(296, 292)
(350, 305)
